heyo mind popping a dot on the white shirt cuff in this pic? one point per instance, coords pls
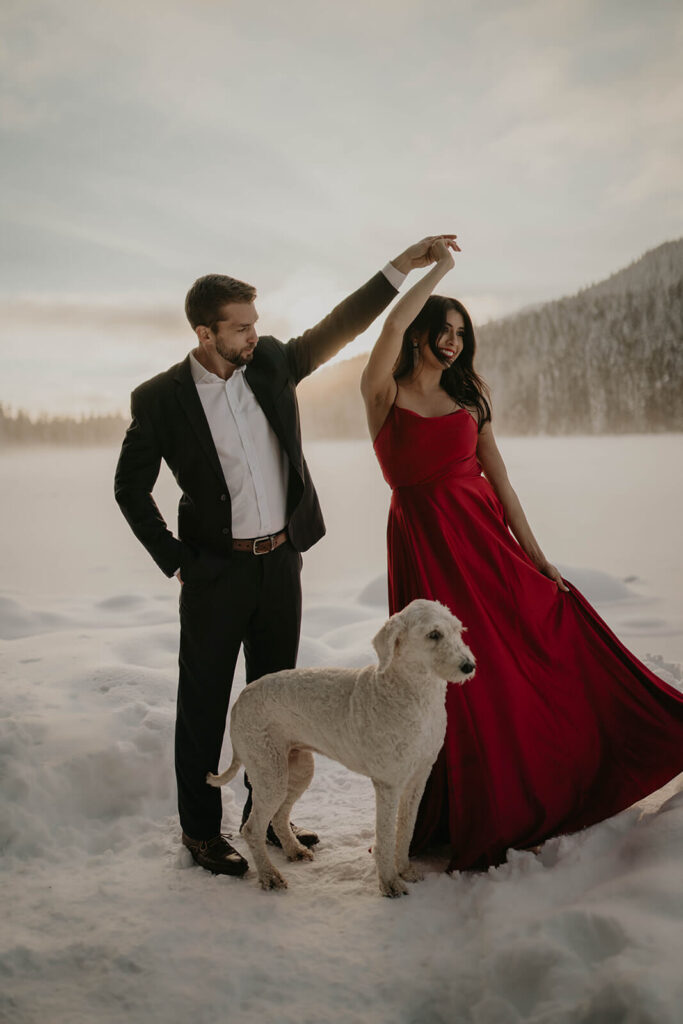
(393, 276)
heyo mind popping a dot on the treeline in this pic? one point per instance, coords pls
(18, 428)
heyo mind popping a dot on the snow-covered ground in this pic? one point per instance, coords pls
(103, 916)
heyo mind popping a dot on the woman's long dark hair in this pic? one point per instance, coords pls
(459, 380)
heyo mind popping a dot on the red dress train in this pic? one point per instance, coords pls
(561, 725)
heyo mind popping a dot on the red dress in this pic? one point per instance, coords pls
(561, 726)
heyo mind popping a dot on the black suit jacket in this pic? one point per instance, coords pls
(168, 422)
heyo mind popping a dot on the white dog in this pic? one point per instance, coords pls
(387, 722)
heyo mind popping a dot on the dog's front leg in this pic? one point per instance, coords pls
(407, 813)
(387, 797)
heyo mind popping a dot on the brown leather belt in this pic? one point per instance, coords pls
(260, 545)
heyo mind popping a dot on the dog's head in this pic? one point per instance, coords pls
(427, 636)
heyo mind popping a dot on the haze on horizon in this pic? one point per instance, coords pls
(300, 146)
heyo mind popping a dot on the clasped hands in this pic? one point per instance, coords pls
(432, 249)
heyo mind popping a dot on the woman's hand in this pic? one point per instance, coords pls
(440, 252)
(552, 573)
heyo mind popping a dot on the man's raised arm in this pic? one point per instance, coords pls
(355, 314)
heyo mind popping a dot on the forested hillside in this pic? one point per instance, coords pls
(608, 360)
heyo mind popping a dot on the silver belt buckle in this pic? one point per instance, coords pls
(262, 540)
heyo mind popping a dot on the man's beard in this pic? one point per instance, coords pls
(235, 356)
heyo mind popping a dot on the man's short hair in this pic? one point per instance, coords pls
(208, 295)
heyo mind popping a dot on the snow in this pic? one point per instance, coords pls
(104, 917)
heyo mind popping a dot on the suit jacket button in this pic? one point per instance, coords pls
(225, 530)
(224, 497)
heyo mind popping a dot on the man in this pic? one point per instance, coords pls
(226, 422)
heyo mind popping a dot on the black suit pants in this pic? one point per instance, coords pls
(250, 600)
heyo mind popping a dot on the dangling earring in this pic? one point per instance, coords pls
(416, 353)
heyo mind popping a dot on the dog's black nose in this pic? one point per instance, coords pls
(467, 668)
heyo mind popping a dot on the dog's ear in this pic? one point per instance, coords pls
(386, 640)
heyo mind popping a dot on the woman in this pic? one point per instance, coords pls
(561, 726)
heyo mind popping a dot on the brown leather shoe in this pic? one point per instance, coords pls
(305, 836)
(216, 855)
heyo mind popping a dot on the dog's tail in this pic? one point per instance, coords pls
(227, 775)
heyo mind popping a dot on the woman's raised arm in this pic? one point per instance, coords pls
(377, 382)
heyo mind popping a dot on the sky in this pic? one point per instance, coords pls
(299, 146)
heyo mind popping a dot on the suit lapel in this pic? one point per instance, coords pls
(192, 407)
(258, 380)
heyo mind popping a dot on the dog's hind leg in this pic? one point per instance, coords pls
(407, 813)
(387, 798)
(268, 778)
(301, 767)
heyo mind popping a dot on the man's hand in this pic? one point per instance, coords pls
(421, 254)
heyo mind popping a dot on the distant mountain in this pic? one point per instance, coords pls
(606, 360)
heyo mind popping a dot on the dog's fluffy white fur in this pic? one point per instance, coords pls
(385, 721)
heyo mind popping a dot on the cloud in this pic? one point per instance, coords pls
(153, 142)
(657, 175)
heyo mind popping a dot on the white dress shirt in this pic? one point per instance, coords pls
(255, 467)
